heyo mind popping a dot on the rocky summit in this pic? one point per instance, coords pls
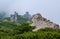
(41, 22)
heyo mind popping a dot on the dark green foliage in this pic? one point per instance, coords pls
(40, 34)
(21, 19)
(10, 30)
(25, 27)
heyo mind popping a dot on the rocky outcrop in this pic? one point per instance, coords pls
(14, 17)
(41, 22)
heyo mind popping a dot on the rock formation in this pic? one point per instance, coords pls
(27, 16)
(14, 17)
(41, 22)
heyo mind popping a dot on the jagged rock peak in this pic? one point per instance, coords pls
(37, 16)
(41, 22)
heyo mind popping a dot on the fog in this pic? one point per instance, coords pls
(49, 9)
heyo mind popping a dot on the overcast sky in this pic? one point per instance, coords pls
(49, 9)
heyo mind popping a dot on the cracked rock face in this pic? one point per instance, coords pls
(41, 22)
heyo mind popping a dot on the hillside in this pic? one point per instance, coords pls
(12, 29)
(9, 30)
(24, 30)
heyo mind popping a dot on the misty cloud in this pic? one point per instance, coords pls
(50, 9)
